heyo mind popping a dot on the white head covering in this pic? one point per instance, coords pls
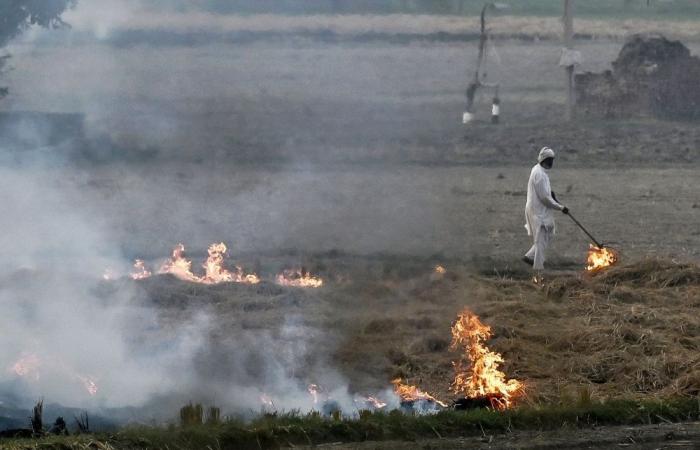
(545, 153)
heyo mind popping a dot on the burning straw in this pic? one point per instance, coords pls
(477, 374)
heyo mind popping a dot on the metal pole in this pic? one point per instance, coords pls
(569, 44)
(595, 241)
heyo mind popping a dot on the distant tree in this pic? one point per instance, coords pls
(18, 15)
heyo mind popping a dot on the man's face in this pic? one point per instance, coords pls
(547, 163)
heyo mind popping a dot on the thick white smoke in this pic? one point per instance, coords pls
(61, 329)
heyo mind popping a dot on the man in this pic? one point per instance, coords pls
(539, 220)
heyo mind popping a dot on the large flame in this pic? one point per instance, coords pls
(600, 258)
(409, 393)
(298, 278)
(477, 373)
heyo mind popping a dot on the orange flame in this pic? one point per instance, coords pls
(27, 366)
(215, 272)
(413, 393)
(313, 390)
(140, 272)
(600, 258)
(477, 373)
(89, 384)
(298, 278)
(179, 266)
(374, 401)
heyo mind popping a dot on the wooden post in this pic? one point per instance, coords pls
(569, 44)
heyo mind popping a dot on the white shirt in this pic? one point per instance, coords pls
(539, 206)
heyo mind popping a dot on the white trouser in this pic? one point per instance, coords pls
(540, 240)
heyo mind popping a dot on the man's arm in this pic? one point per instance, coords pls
(545, 194)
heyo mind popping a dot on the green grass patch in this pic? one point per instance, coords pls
(273, 431)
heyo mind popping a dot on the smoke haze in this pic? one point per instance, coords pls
(287, 137)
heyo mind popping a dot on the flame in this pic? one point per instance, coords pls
(477, 373)
(89, 384)
(600, 258)
(215, 272)
(27, 366)
(373, 401)
(179, 266)
(298, 278)
(140, 272)
(109, 275)
(412, 393)
(440, 270)
(313, 390)
(266, 400)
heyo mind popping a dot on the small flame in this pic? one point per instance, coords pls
(109, 275)
(89, 384)
(299, 278)
(140, 272)
(477, 373)
(266, 400)
(313, 390)
(27, 366)
(600, 258)
(413, 393)
(373, 401)
(440, 270)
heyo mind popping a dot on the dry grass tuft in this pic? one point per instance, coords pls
(633, 330)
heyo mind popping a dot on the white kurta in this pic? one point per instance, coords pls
(539, 218)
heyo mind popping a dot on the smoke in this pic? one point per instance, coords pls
(280, 370)
(62, 329)
(72, 208)
(74, 339)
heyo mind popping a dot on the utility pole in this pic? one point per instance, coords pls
(569, 44)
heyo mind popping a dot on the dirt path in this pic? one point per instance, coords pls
(663, 436)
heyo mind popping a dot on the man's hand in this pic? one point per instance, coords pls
(565, 210)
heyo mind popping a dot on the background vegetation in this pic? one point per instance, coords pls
(287, 430)
(686, 9)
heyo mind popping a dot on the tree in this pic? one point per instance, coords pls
(18, 15)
